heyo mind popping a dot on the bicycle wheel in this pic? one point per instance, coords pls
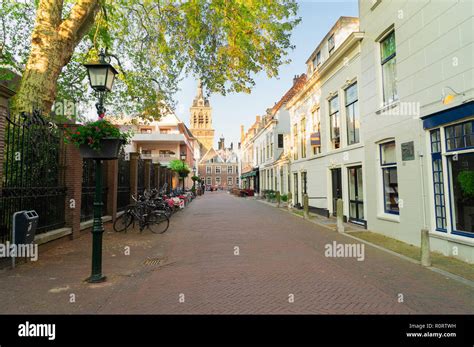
(123, 222)
(158, 222)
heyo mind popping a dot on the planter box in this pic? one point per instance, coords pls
(109, 149)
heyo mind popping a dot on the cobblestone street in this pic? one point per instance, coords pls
(281, 268)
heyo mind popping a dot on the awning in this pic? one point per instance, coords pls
(249, 174)
(448, 116)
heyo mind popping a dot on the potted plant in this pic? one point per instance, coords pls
(466, 182)
(97, 140)
(181, 168)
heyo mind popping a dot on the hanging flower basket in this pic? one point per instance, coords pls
(97, 140)
(109, 148)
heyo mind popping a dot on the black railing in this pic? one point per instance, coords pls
(33, 173)
(123, 189)
(141, 176)
(88, 190)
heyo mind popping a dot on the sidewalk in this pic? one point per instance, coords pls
(457, 270)
(228, 255)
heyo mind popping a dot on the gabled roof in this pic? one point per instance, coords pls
(298, 84)
(220, 156)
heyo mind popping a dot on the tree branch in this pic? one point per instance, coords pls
(49, 12)
(79, 21)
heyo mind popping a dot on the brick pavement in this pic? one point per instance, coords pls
(280, 255)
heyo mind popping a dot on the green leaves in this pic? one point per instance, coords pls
(91, 134)
(158, 43)
(180, 167)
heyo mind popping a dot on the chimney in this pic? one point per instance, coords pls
(242, 133)
(239, 146)
(231, 146)
(295, 79)
(257, 119)
(221, 143)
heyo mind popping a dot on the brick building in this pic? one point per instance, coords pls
(220, 168)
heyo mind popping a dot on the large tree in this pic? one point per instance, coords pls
(153, 43)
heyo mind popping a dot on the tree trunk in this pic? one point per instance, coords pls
(52, 44)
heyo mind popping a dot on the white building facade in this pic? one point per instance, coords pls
(416, 104)
(327, 152)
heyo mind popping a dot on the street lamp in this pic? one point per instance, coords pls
(194, 175)
(183, 159)
(101, 79)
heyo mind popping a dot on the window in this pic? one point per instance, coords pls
(334, 122)
(461, 177)
(165, 130)
(229, 181)
(388, 61)
(237, 181)
(304, 182)
(388, 164)
(208, 181)
(280, 141)
(145, 130)
(218, 170)
(352, 114)
(303, 137)
(331, 44)
(271, 145)
(295, 141)
(316, 141)
(208, 170)
(218, 181)
(230, 169)
(271, 178)
(317, 60)
(460, 136)
(438, 180)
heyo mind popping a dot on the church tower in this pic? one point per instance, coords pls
(201, 121)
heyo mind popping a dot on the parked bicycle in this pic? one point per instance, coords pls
(147, 216)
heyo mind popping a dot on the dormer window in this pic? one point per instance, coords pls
(331, 44)
(317, 60)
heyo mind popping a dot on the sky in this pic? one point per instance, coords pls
(233, 110)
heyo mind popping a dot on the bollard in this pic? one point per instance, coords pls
(289, 201)
(278, 198)
(340, 215)
(425, 248)
(305, 206)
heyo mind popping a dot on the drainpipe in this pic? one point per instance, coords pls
(425, 237)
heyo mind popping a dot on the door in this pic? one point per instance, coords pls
(303, 185)
(336, 188)
(356, 195)
(295, 182)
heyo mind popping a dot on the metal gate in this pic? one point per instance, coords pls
(88, 189)
(123, 189)
(33, 172)
(141, 176)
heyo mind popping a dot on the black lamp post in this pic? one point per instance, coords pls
(194, 175)
(101, 79)
(183, 159)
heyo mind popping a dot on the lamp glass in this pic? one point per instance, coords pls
(98, 76)
(110, 78)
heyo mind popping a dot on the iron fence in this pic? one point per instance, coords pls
(33, 172)
(141, 176)
(88, 190)
(123, 190)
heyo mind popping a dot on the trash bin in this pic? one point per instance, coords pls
(24, 226)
